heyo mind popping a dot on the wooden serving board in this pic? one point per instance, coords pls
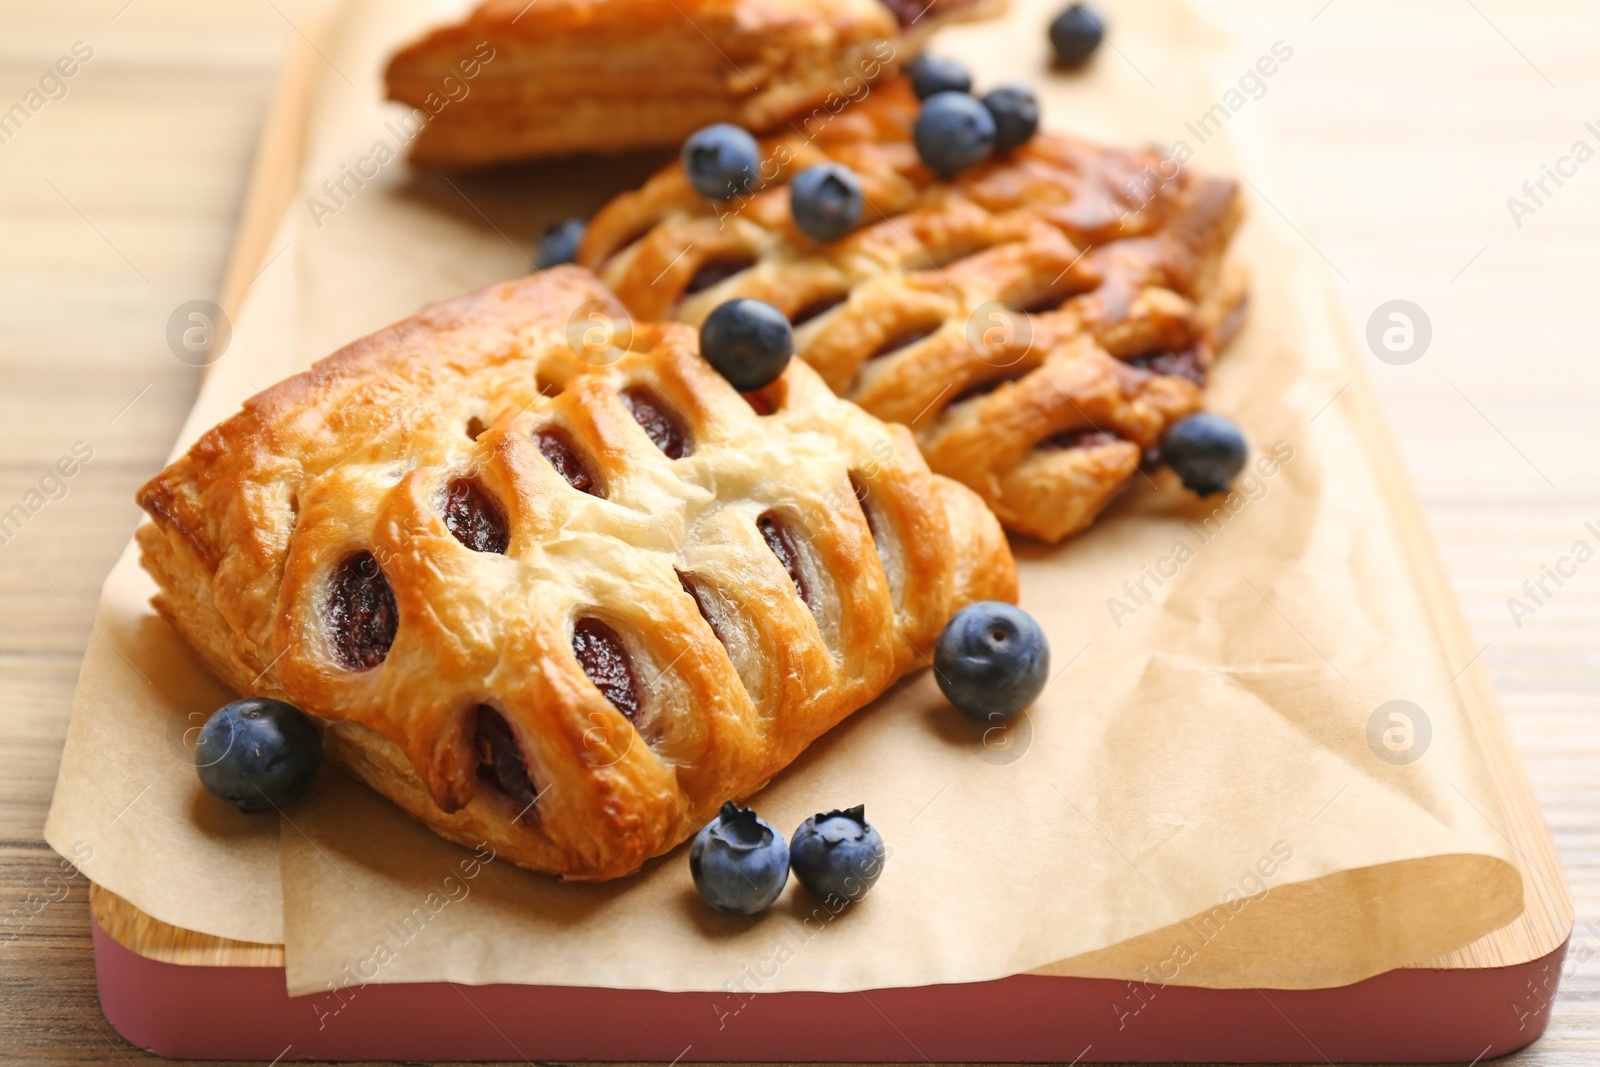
(1486, 998)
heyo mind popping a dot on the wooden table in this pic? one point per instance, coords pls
(1404, 133)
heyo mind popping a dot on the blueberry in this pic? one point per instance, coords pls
(826, 201)
(953, 132)
(559, 244)
(722, 161)
(936, 74)
(1016, 115)
(1206, 450)
(749, 343)
(992, 660)
(1076, 33)
(258, 754)
(838, 854)
(739, 861)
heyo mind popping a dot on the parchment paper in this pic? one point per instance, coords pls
(1198, 798)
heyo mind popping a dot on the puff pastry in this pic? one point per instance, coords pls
(983, 312)
(553, 584)
(563, 76)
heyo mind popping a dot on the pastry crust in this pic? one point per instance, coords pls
(517, 80)
(419, 460)
(983, 312)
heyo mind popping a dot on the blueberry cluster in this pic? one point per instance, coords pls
(825, 200)
(956, 130)
(740, 862)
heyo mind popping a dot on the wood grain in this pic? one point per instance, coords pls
(1405, 130)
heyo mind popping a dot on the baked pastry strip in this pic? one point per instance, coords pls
(956, 307)
(517, 80)
(560, 594)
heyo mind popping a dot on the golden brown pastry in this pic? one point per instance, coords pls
(518, 79)
(554, 584)
(983, 312)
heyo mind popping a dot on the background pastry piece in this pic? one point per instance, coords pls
(557, 77)
(555, 584)
(984, 311)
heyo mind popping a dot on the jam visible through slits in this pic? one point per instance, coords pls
(472, 516)
(717, 270)
(553, 445)
(651, 414)
(777, 536)
(1081, 438)
(362, 616)
(606, 661)
(1044, 303)
(817, 307)
(903, 339)
(987, 386)
(1184, 364)
(861, 491)
(500, 761)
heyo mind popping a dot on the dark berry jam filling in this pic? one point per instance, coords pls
(987, 386)
(606, 661)
(816, 308)
(362, 616)
(472, 516)
(1184, 364)
(651, 414)
(714, 271)
(903, 339)
(555, 447)
(1080, 438)
(862, 493)
(500, 761)
(776, 534)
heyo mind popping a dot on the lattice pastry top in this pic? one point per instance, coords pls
(983, 311)
(567, 596)
(516, 79)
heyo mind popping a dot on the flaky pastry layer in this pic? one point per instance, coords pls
(620, 593)
(1039, 321)
(564, 76)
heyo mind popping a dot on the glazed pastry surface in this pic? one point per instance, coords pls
(1039, 321)
(558, 77)
(552, 583)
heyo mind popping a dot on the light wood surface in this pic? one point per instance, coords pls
(1405, 133)
(1547, 918)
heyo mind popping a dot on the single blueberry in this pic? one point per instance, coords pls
(935, 74)
(721, 161)
(1206, 450)
(559, 244)
(748, 342)
(739, 861)
(992, 660)
(258, 754)
(953, 132)
(838, 854)
(1076, 33)
(1016, 115)
(826, 201)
